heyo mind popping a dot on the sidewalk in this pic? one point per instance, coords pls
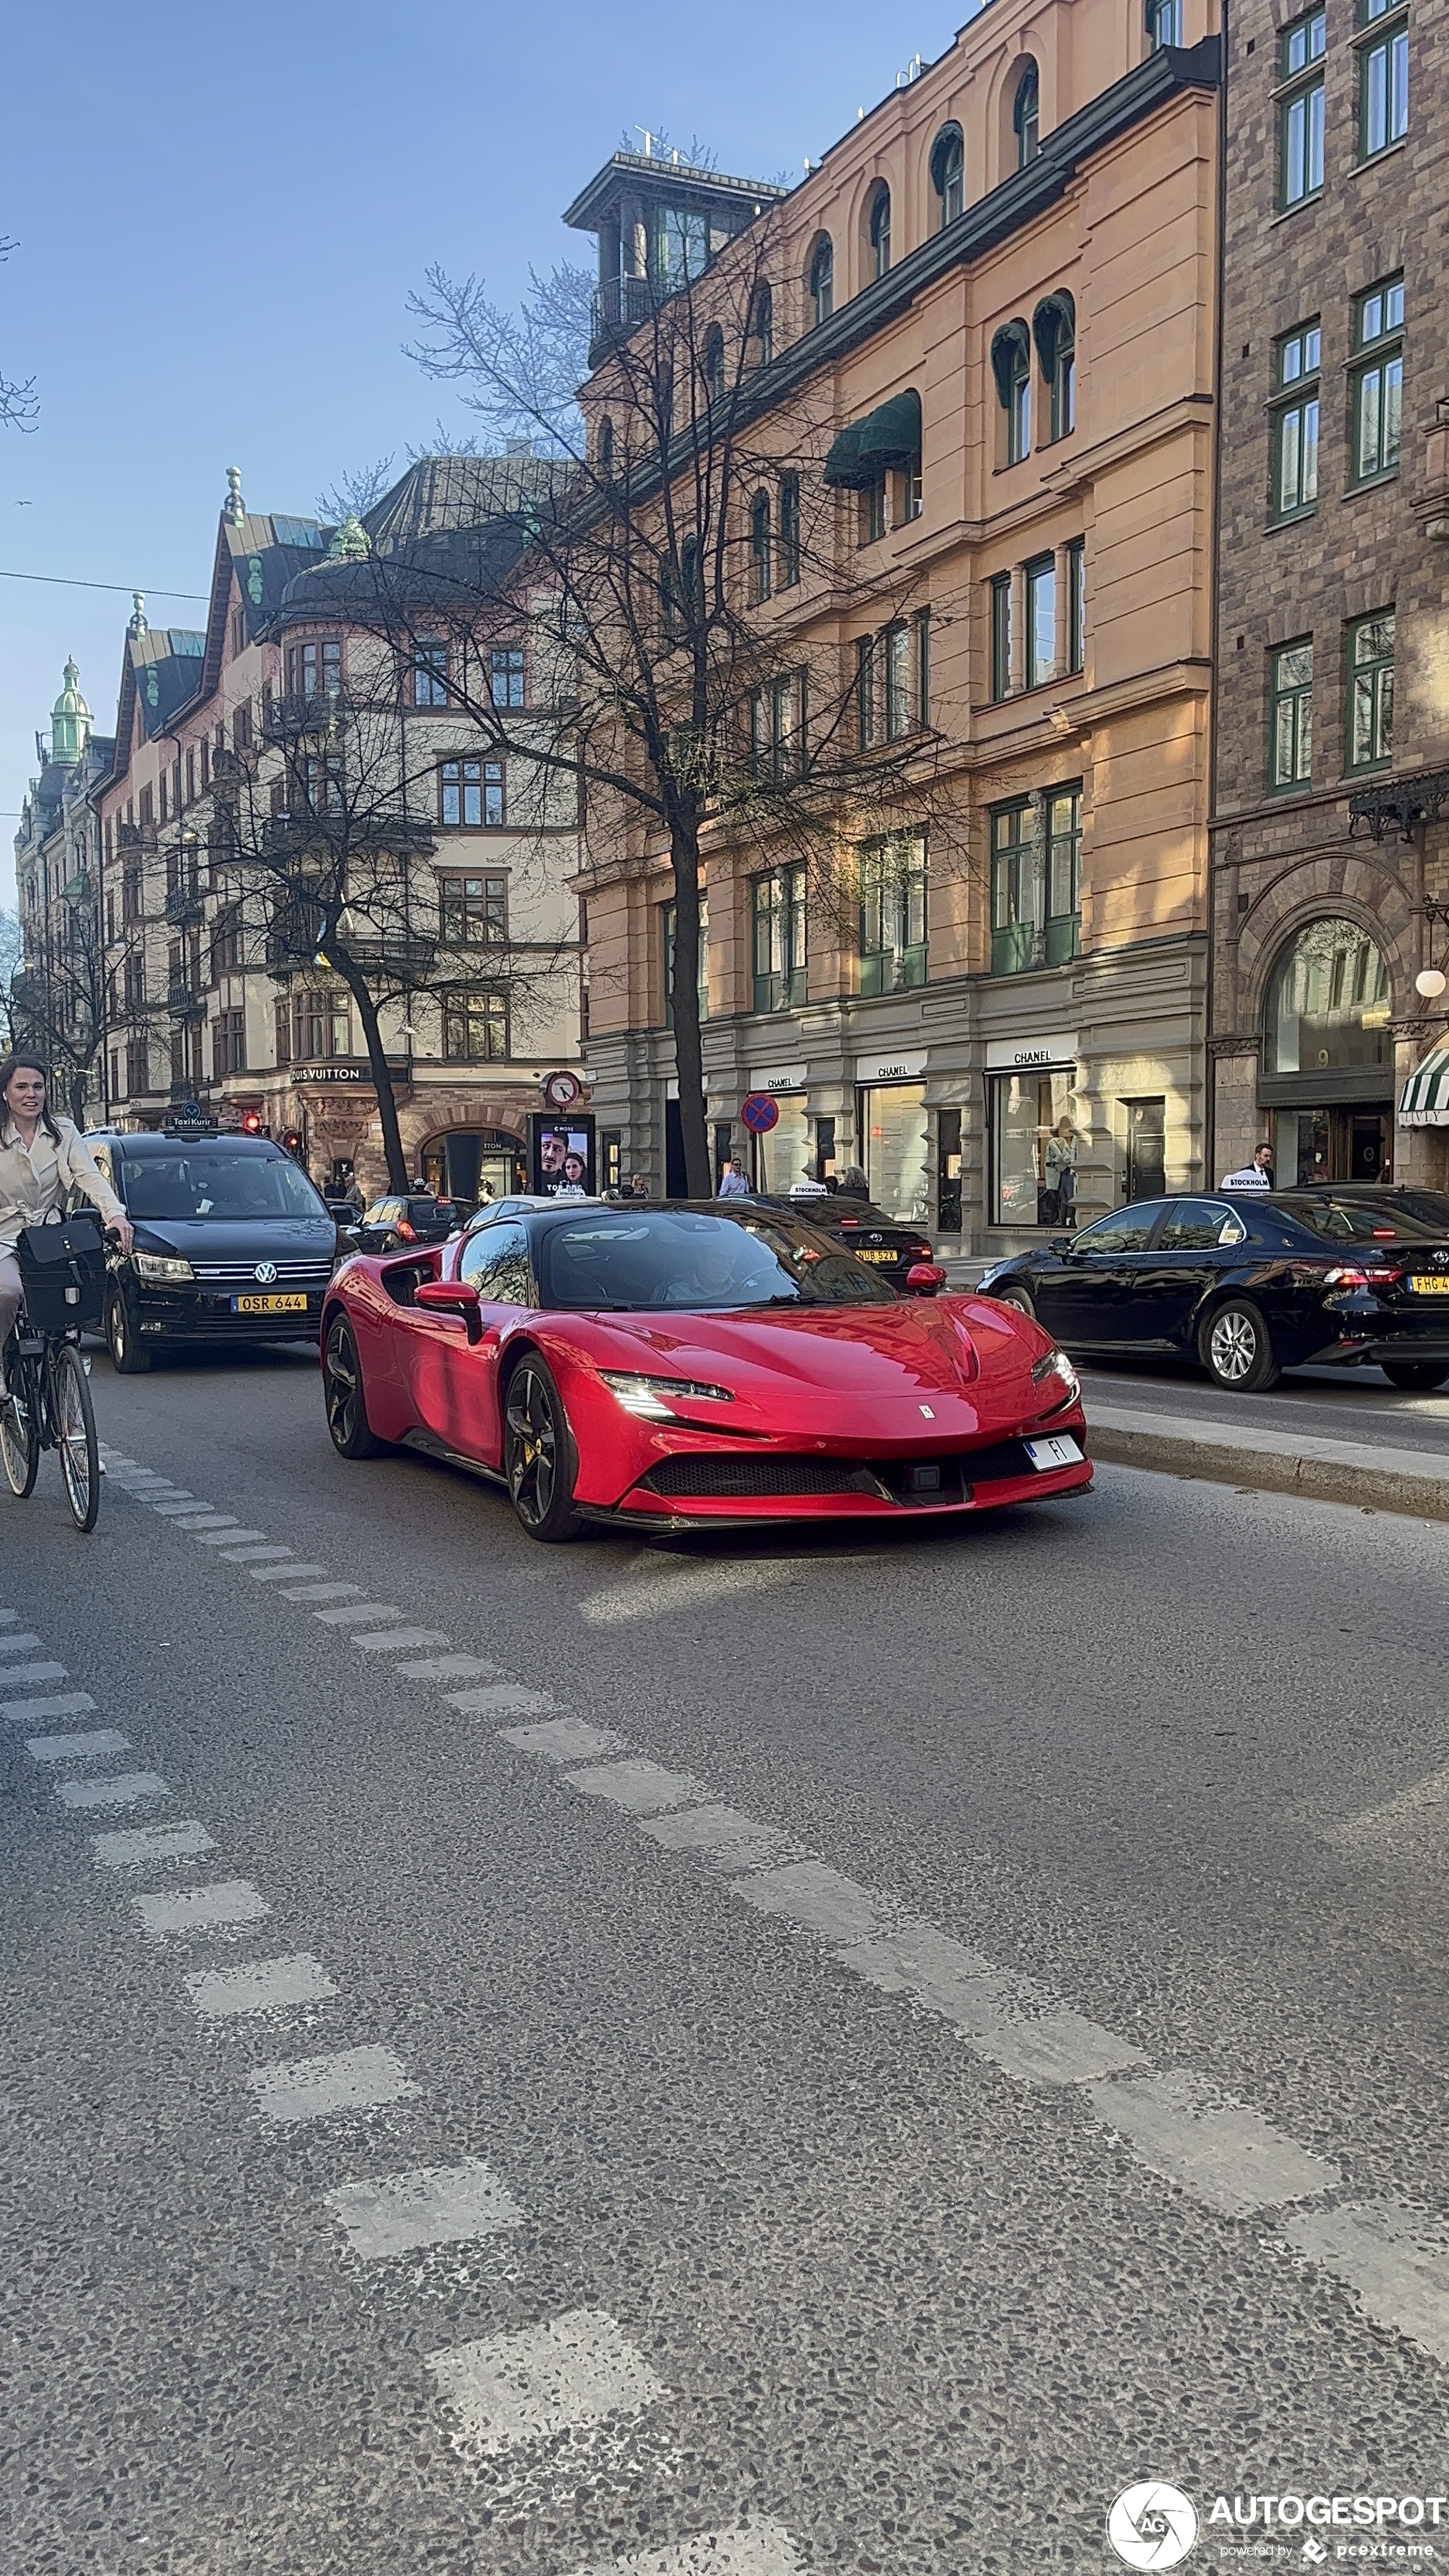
(1294, 1461)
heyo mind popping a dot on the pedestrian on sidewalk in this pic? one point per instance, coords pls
(1257, 1175)
(733, 1184)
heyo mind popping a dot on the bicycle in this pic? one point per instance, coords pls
(45, 1401)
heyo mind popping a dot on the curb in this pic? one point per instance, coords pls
(1392, 1480)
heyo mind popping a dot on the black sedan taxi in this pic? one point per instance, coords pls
(395, 1224)
(233, 1244)
(883, 1242)
(1252, 1284)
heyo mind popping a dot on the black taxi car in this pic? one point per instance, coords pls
(885, 1243)
(395, 1224)
(1252, 1283)
(233, 1244)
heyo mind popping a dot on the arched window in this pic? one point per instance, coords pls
(760, 547)
(714, 364)
(1026, 116)
(1326, 1007)
(948, 173)
(1164, 23)
(1011, 366)
(764, 325)
(606, 450)
(880, 231)
(822, 279)
(1054, 329)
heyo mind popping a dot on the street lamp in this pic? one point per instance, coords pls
(1430, 983)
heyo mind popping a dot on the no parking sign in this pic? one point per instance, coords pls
(759, 1112)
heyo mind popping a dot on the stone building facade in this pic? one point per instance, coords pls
(1330, 836)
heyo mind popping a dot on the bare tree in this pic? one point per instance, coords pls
(696, 575)
(56, 997)
(19, 403)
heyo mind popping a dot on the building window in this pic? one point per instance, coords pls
(1377, 382)
(948, 174)
(760, 566)
(1013, 883)
(893, 915)
(1300, 113)
(1041, 620)
(1290, 714)
(789, 530)
(1077, 605)
(1064, 874)
(1327, 1003)
(670, 914)
(475, 1025)
(1295, 421)
(1054, 329)
(1383, 82)
(430, 674)
(880, 232)
(822, 280)
(1001, 635)
(471, 795)
(900, 711)
(229, 1044)
(1371, 691)
(473, 911)
(776, 725)
(505, 676)
(764, 325)
(778, 904)
(321, 1027)
(1011, 368)
(138, 1070)
(314, 668)
(1026, 116)
(1164, 23)
(146, 807)
(923, 667)
(865, 691)
(873, 511)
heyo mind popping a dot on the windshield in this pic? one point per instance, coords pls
(194, 1183)
(1389, 1220)
(685, 1260)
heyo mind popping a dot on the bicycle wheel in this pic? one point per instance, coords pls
(74, 1424)
(20, 1429)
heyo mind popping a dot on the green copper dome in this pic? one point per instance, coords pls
(70, 721)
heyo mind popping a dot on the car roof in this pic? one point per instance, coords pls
(150, 1141)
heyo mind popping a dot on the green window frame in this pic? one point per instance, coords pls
(1290, 714)
(1001, 635)
(1300, 109)
(1077, 605)
(1041, 620)
(1013, 887)
(893, 914)
(779, 905)
(1295, 421)
(1376, 382)
(1369, 661)
(1064, 873)
(789, 547)
(1383, 80)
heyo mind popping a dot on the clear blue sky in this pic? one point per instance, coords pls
(219, 213)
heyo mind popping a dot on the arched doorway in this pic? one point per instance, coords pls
(1327, 1082)
(470, 1163)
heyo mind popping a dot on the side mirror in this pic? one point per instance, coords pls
(925, 1279)
(1062, 1243)
(451, 1297)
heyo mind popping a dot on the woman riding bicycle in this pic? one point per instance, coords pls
(42, 1158)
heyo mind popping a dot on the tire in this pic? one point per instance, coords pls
(1021, 1298)
(1234, 1348)
(129, 1356)
(20, 1436)
(539, 1458)
(1417, 1377)
(75, 1437)
(342, 1394)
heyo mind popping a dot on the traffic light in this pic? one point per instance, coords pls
(251, 1122)
(292, 1140)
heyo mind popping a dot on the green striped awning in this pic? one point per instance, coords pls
(1424, 1100)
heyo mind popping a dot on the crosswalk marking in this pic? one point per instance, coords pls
(314, 2088)
(262, 1985)
(641, 1788)
(121, 1789)
(1220, 2150)
(563, 1739)
(1396, 2259)
(21, 1644)
(560, 2377)
(449, 1668)
(499, 1699)
(202, 1909)
(1004, 2018)
(398, 1641)
(436, 2205)
(131, 1850)
(717, 1834)
(811, 1893)
(284, 1574)
(319, 1591)
(346, 1614)
(762, 2549)
(34, 1673)
(27, 1712)
(77, 1748)
(223, 1537)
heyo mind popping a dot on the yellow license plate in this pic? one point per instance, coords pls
(269, 1305)
(1425, 1287)
(863, 1255)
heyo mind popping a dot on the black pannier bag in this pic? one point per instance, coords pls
(63, 1272)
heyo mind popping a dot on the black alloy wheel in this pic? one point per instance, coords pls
(1019, 1297)
(1234, 1348)
(539, 1460)
(129, 1356)
(1417, 1377)
(352, 1435)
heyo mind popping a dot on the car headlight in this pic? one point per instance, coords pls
(1057, 1365)
(646, 1395)
(161, 1265)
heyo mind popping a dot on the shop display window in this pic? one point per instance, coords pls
(1035, 1142)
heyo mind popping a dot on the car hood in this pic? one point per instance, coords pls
(917, 1347)
(253, 1238)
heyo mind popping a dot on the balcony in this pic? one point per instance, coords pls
(1421, 796)
(288, 719)
(618, 306)
(226, 773)
(292, 937)
(185, 1002)
(185, 902)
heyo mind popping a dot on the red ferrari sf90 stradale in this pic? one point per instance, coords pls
(671, 1366)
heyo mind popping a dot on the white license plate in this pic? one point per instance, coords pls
(1060, 1450)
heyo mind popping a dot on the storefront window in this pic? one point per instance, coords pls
(893, 1128)
(1035, 1143)
(784, 1156)
(1327, 1004)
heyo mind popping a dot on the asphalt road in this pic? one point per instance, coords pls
(1033, 2082)
(1330, 1404)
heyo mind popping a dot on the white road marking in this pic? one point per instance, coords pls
(555, 2378)
(34, 1673)
(811, 1893)
(225, 1537)
(183, 1503)
(321, 1591)
(641, 1788)
(312, 2088)
(499, 1699)
(1416, 1815)
(399, 1641)
(122, 1789)
(209, 1520)
(1213, 2146)
(436, 2205)
(152, 1842)
(77, 1748)
(254, 1555)
(449, 1668)
(659, 1595)
(1004, 2018)
(720, 1835)
(563, 1739)
(1396, 2259)
(263, 1985)
(8, 1618)
(284, 1574)
(24, 1644)
(24, 1712)
(354, 1610)
(762, 2549)
(200, 1909)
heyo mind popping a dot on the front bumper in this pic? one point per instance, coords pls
(675, 1492)
(205, 1315)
